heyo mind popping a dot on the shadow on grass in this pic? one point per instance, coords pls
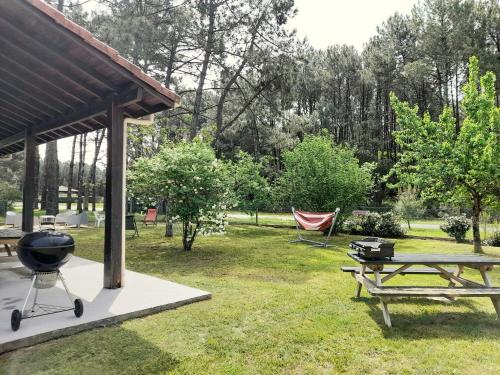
(440, 324)
(98, 351)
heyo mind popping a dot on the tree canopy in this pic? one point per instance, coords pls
(450, 163)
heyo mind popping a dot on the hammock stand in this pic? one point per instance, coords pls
(319, 221)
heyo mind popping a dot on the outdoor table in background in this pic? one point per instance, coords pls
(9, 238)
(435, 264)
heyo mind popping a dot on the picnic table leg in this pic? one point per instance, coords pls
(7, 248)
(360, 285)
(385, 308)
(460, 270)
(487, 282)
(385, 312)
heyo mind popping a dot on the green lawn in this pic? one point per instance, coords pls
(277, 308)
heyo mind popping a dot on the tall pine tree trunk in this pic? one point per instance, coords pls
(70, 174)
(208, 49)
(93, 171)
(476, 215)
(51, 166)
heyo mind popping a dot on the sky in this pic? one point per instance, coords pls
(323, 23)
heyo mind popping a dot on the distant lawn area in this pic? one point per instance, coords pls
(277, 308)
(423, 227)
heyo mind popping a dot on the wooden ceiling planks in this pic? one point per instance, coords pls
(56, 78)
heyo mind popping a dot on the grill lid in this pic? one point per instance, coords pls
(45, 251)
(46, 239)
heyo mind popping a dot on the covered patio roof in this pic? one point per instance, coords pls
(56, 78)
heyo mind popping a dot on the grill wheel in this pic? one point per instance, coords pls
(15, 320)
(78, 307)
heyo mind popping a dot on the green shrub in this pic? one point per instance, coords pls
(456, 226)
(374, 224)
(193, 182)
(494, 240)
(320, 176)
(9, 194)
(409, 206)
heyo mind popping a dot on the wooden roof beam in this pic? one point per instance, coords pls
(26, 85)
(59, 55)
(48, 65)
(96, 52)
(23, 102)
(94, 109)
(17, 110)
(28, 71)
(30, 94)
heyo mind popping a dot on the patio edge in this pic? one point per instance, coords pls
(47, 336)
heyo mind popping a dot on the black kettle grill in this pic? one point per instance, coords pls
(44, 253)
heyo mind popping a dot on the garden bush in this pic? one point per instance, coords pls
(320, 176)
(193, 182)
(374, 224)
(494, 240)
(456, 226)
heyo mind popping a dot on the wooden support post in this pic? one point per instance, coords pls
(114, 229)
(29, 178)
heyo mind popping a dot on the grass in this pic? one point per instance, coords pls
(286, 219)
(277, 308)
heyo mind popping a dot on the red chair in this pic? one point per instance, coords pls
(150, 217)
(318, 221)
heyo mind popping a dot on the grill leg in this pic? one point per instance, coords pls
(34, 300)
(33, 279)
(68, 293)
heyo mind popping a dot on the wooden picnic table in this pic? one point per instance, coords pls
(9, 238)
(437, 264)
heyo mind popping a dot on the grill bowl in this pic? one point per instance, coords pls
(45, 251)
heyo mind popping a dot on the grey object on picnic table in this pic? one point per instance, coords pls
(466, 287)
(373, 248)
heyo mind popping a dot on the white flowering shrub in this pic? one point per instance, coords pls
(456, 226)
(192, 180)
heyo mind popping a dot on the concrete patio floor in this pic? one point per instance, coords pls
(142, 295)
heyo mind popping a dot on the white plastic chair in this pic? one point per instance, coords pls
(99, 217)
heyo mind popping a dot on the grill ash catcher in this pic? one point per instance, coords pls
(44, 253)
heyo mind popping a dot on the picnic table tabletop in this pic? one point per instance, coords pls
(422, 258)
(10, 233)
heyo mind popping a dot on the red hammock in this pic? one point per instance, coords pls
(320, 221)
(314, 220)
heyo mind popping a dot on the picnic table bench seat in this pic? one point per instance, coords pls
(409, 291)
(415, 271)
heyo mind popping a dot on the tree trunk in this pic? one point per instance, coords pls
(209, 45)
(97, 148)
(476, 214)
(37, 180)
(70, 174)
(169, 226)
(51, 178)
(257, 217)
(81, 171)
